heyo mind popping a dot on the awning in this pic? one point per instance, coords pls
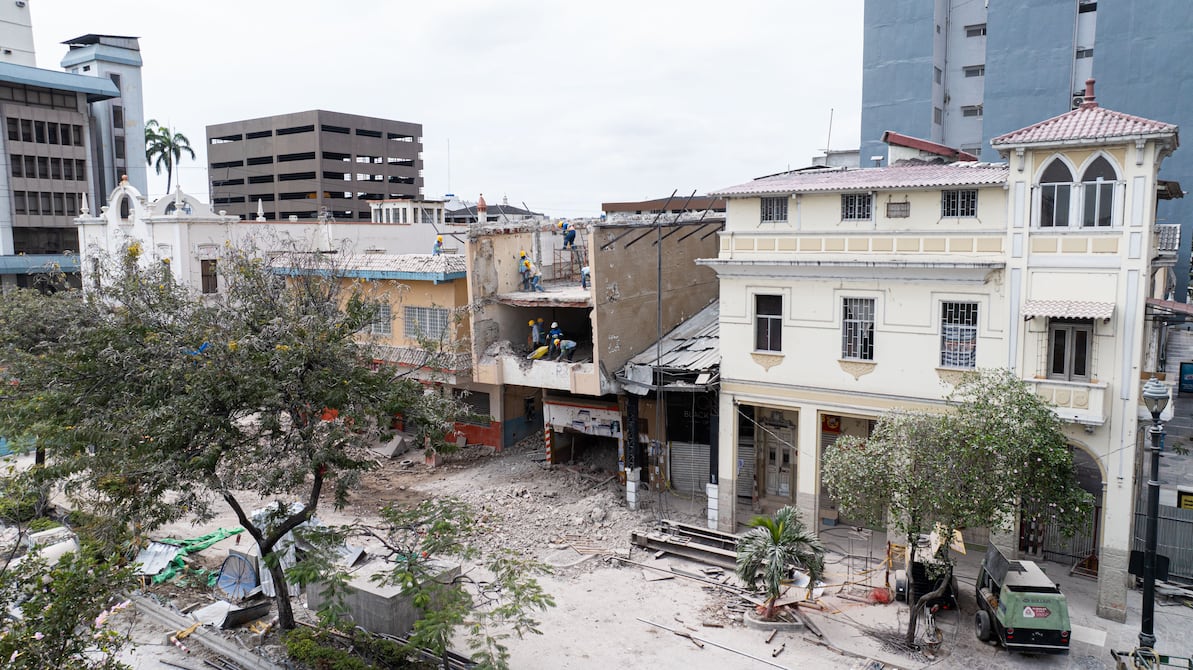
(1171, 306)
(1068, 309)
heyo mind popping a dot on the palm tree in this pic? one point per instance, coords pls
(165, 147)
(772, 545)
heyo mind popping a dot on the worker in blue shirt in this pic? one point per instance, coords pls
(536, 334)
(553, 336)
(438, 248)
(524, 270)
(565, 347)
(584, 273)
(569, 235)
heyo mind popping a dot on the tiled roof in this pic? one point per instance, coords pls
(1168, 237)
(416, 357)
(914, 176)
(1068, 309)
(387, 266)
(1086, 124)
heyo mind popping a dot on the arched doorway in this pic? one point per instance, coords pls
(1040, 540)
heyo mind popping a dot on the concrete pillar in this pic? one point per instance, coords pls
(727, 463)
(632, 478)
(807, 485)
(1118, 518)
(714, 505)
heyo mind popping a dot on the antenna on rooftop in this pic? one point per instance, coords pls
(828, 141)
(449, 165)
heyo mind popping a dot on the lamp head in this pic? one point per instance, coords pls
(1155, 397)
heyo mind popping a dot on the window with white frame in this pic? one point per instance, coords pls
(768, 323)
(1056, 186)
(857, 329)
(971, 110)
(1070, 349)
(774, 209)
(1098, 185)
(974, 70)
(382, 321)
(959, 203)
(958, 334)
(426, 322)
(855, 206)
(975, 30)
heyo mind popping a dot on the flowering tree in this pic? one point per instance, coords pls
(996, 449)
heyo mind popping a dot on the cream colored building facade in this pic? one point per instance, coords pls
(853, 292)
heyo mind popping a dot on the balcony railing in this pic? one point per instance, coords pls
(1078, 402)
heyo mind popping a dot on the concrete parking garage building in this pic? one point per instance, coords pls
(305, 163)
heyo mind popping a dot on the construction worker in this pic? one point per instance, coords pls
(536, 334)
(584, 272)
(553, 337)
(536, 276)
(567, 347)
(524, 270)
(569, 235)
(438, 248)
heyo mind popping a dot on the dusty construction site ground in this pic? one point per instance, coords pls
(527, 507)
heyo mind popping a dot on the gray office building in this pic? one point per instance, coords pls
(307, 163)
(959, 73)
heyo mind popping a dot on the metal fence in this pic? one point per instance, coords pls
(1174, 539)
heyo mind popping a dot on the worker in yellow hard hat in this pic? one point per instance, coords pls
(438, 248)
(565, 348)
(536, 335)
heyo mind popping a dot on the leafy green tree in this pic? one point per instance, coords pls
(771, 547)
(996, 448)
(422, 541)
(158, 403)
(164, 147)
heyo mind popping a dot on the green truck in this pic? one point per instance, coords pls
(1020, 607)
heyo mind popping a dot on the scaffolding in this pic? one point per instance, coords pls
(569, 261)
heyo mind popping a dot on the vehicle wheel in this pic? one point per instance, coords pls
(982, 627)
(900, 585)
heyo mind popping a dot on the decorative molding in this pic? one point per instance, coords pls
(767, 361)
(952, 376)
(857, 369)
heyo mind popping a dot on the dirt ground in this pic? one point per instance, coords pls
(574, 517)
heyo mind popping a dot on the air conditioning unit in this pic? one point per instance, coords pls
(1078, 100)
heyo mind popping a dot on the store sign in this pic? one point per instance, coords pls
(1184, 498)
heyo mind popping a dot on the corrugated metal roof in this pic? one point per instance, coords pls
(1068, 309)
(416, 357)
(1086, 123)
(693, 345)
(915, 176)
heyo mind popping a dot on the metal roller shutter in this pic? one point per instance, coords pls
(745, 467)
(689, 467)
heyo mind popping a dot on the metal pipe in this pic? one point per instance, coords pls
(715, 644)
(1147, 636)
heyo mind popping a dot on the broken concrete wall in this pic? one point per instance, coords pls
(626, 287)
(377, 608)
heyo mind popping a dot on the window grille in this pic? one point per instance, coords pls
(425, 322)
(383, 321)
(855, 206)
(857, 329)
(963, 203)
(958, 335)
(774, 209)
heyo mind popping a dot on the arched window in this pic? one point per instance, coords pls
(1098, 180)
(1056, 185)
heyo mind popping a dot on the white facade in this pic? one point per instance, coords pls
(845, 311)
(16, 34)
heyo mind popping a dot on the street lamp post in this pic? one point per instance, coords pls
(1155, 397)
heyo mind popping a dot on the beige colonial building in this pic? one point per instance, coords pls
(857, 291)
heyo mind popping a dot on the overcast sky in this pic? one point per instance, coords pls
(563, 105)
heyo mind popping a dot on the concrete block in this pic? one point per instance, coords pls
(376, 608)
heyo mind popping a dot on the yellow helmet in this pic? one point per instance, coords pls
(439, 238)
(523, 254)
(530, 323)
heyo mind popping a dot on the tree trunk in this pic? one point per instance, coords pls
(941, 584)
(281, 592)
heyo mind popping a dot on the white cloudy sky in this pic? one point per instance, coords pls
(563, 105)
